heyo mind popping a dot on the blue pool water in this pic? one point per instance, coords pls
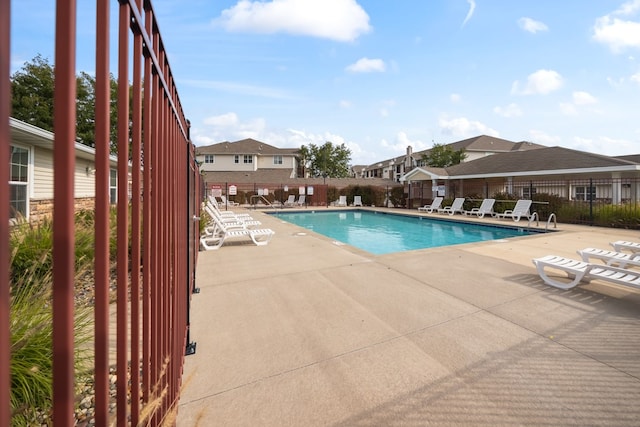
(381, 233)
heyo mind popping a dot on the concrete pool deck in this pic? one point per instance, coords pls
(306, 332)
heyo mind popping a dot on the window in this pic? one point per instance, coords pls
(209, 158)
(585, 192)
(18, 181)
(113, 186)
(236, 159)
(528, 192)
(248, 158)
(277, 160)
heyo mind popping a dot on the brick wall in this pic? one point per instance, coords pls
(39, 210)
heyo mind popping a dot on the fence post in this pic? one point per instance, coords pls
(5, 135)
(589, 193)
(64, 127)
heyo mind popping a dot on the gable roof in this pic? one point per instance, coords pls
(481, 143)
(245, 146)
(541, 161)
(631, 158)
(491, 143)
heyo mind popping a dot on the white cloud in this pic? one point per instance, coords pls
(229, 127)
(635, 78)
(511, 110)
(583, 98)
(541, 82)
(472, 8)
(531, 25)
(345, 103)
(340, 20)
(628, 8)
(366, 65)
(464, 128)
(617, 32)
(543, 138)
(296, 138)
(223, 120)
(605, 145)
(455, 98)
(568, 109)
(399, 145)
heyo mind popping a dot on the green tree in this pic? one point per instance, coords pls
(442, 156)
(326, 160)
(32, 100)
(32, 93)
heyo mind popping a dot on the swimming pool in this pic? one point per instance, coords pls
(382, 233)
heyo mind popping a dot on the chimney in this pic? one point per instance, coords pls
(408, 161)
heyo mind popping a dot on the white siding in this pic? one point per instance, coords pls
(266, 162)
(43, 176)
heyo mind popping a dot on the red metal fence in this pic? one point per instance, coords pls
(156, 234)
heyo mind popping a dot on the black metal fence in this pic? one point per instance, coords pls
(607, 202)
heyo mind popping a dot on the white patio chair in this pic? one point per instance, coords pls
(521, 209)
(455, 207)
(486, 207)
(580, 271)
(434, 206)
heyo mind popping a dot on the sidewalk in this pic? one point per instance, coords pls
(304, 332)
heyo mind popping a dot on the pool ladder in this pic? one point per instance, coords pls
(535, 216)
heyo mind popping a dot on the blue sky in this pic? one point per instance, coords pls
(380, 75)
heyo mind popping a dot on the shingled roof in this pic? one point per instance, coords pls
(491, 143)
(482, 143)
(244, 146)
(631, 158)
(542, 160)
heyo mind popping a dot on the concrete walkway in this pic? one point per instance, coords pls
(304, 332)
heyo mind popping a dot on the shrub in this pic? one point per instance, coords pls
(398, 197)
(500, 206)
(370, 195)
(552, 204)
(31, 324)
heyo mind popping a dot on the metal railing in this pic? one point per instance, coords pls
(156, 232)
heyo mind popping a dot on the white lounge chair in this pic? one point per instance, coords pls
(291, 201)
(486, 207)
(259, 237)
(211, 201)
(357, 200)
(231, 222)
(228, 202)
(342, 201)
(622, 245)
(620, 259)
(580, 271)
(301, 200)
(435, 205)
(455, 207)
(521, 209)
(226, 213)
